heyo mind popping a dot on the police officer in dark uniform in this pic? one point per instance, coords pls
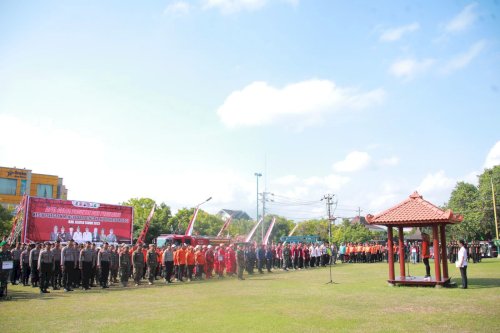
(6, 265)
(124, 264)
(57, 274)
(34, 254)
(113, 264)
(45, 267)
(15, 274)
(240, 261)
(138, 265)
(25, 265)
(86, 262)
(68, 264)
(103, 264)
(286, 257)
(151, 262)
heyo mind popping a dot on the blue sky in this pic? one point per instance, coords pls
(181, 100)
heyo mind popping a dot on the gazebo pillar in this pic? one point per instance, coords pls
(437, 265)
(442, 231)
(390, 253)
(402, 272)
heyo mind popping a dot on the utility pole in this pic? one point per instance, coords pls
(329, 203)
(264, 200)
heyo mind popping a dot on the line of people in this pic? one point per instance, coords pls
(86, 265)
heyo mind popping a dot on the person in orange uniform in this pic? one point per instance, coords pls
(199, 257)
(426, 255)
(190, 262)
(181, 259)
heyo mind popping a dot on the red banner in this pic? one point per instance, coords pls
(51, 220)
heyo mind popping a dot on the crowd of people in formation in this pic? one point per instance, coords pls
(72, 266)
(475, 251)
(85, 265)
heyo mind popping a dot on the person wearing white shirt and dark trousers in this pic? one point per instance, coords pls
(462, 263)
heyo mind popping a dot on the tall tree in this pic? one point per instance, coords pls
(465, 200)
(488, 178)
(160, 222)
(6, 219)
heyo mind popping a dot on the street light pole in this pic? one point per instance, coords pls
(257, 174)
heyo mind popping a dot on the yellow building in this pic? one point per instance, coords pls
(14, 183)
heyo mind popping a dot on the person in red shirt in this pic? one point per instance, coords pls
(426, 255)
(219, 258)
(209, 262)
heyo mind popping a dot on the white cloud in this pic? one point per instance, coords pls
(493, 157)
(436, 187)
(261, 104)
(407, 69)
(335, 182)
(389, 161)
(286, 180)
(178, 8)
(394, 34)
(354, 161)
(233, 6)
(462, 60)
(463, 20)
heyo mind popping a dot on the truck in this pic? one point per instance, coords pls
(177, 239)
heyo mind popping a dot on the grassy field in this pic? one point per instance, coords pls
(295, 301)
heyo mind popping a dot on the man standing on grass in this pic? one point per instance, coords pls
(45, 267)
(209, 261)
(86, 262)
(240, 261)
(138, 265)
(15, 274)
(113, 264)
(168, 263)
(57, 274)
(286, 257)
(5, 259)
(68, 263)
(103, 264)
(151, 262)
(34, 254)
(124, 264)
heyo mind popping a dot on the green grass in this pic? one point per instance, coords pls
(296, 301)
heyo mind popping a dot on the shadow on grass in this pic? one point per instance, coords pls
(21, 295)
(480, 283)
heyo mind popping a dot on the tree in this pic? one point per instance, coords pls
(347, 232)
(464, 200)
(475, 203)
(161, 218)
(486, 179)
(6, 219)
(314, 228)
(240, 227)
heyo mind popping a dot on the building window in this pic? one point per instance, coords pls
(8, 186)
(23, 187)
(44, 191)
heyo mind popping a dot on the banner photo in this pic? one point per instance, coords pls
(52, 220)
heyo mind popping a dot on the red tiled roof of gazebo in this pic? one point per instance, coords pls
(414, 211)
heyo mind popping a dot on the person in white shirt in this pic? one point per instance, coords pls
(77, 236)
(87, 235)
(462, 263)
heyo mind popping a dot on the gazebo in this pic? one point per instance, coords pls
(417, 212)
